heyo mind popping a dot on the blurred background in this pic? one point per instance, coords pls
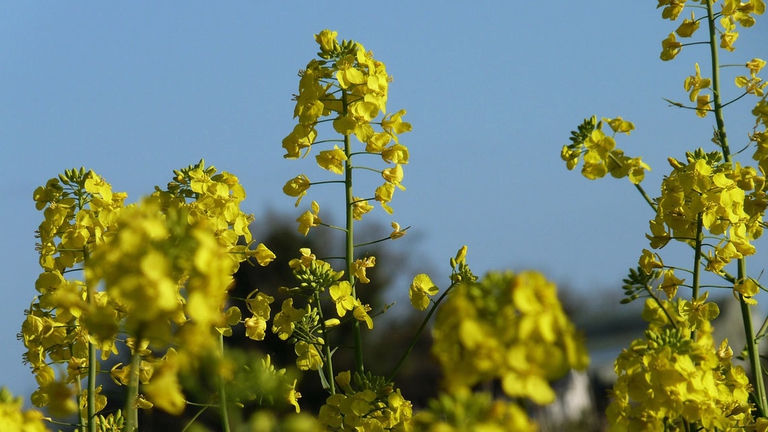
(492, 90)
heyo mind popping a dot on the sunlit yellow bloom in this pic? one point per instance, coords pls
(384, 194)
(695, 83)
(360, 207)
(327, 41)
(14, 418)
(359, 268)
(397, 154)
(360, 313)
(332, 160)
(300, 138)
(164, 390)
(650, 261)
(297, 187)
(702, 105)
(670, 283)
(308, 356)
(670, 47)
(421, 288)
(688, 27)
(309, 219)
(394, 175)
(285, 320)
(255, 328)
(755, 65)
(672, 8)
(727, 39)
(341, 294)
(619, 125)
(396, 231)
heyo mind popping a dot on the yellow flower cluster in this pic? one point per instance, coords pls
(14, 419)
(729, 201)
(350, 87)
(164, 273)
(158, 270)
(669, 378)
(733, 13)
(601, 156)
(378, 408)
(509, 327)
(467, 411)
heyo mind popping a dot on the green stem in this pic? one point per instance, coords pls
(416, 337)
(647, 198)
(194, 417)
(697, 257)
(713, 49)
(350, 244)
(91, 387)
(131, 410)
(223, 392)
(752, 346)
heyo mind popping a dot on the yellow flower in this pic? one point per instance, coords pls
(702, 105)
(284, 321)
(297, 187)
(341, 294)
(361, 314)
(255, 328)
(359, 267)
(327, 41)
(727, 39)
(670, 283)
(394, 124)
(396, 231)
(294, 396)
(688, 27)
(164, 390)
(420, 290)
(394, 175)
(649, 261)
(263, 255)
(384, 194)
(300, 138)
(754, 66)
(695, 83)
(670, 47)
(396, 154)
(14, 418)
(360, 207)
(309, 219)
(672, 9)
(332, 160)
(309, 358)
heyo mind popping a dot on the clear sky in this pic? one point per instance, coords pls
(492, 89)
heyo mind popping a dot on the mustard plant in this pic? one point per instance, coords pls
(152, 279)
(677, 377)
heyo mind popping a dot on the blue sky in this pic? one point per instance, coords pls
(492, 90)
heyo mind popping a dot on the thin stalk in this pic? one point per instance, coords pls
(194, 417)
(646, 197)
(416, 337)
(326, 347)
(223, 392)
(350, 243)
